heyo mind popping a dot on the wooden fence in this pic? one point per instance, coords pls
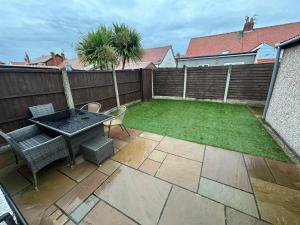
(24, 87)
(245, 82)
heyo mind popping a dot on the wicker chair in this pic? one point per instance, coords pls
(92, 107)
(41, 110)
(117, 120)
(37, 149)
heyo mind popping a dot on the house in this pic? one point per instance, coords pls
(282, 107)
(235, 47)
(2, 63)
(154, 58)
(48, 60)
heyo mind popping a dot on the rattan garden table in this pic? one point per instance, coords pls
(77, 126)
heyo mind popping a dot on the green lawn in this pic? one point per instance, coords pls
(223, 125)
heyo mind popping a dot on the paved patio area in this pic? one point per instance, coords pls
(159, 180)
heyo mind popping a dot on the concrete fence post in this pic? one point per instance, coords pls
(116, 87)
(227, 83)
(152, 83)
(184, 82)
(67, 89)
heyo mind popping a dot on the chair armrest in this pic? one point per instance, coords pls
(24, 133)
(7, 218)
(84, 106)
(54, 146)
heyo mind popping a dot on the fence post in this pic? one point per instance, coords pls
(152, 88)
(141, 83)
(184, 82)
(227, 83)
(116, 87)
(67, 89)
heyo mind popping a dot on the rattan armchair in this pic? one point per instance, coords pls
(36, 148)
(92, 107)
(41, 110)
(117, 120)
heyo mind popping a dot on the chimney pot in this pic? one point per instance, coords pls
(249, 24)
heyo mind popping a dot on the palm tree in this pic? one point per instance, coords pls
(127, 42)
(96, 48)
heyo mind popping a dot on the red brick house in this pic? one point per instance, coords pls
(48, 60)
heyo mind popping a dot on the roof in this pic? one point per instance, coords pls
(41, 59)
(155, 55)
(292, 41)
(241, 42)
(265, 60)
(137, 65)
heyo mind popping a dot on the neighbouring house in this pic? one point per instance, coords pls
(76, 64)
(137, 65)
(48, 60)
(236, 47)
(160, 57)
(2, 63)
(283, 103)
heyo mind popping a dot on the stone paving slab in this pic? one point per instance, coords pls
(83, 209)
(258, 168)
(79, 171)
(109, 166)
(52, 185)
(277, 204)
(135, 152)
(151, 136)
(158, 156)
(78, 194)
(184, 207)
(182, 148)
(226, 167)
(149, 166)
(285, 174)
(237, 199)
(180, 171)
(234, 217)
(136, 194)
(106, 215)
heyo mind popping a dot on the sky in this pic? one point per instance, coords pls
(40, 27)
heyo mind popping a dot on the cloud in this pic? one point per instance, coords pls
(40, 27)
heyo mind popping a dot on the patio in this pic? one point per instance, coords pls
(154, 179)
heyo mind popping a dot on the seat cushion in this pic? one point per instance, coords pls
(34, 141)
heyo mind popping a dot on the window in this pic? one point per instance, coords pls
(234, 63)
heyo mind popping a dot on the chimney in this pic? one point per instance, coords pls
(249, 24)
(54, 58)
(26, 59)
(63, 56)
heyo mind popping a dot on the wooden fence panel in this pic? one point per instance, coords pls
(92, 86)
(250, 82)
(146, 84)
(24, 87)
(168, 82)
(206, 82)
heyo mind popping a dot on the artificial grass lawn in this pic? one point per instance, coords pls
(227, 126)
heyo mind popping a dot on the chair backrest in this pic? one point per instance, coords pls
(94, 107)
(122, 110)
(41, 110)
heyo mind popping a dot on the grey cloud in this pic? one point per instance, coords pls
(39, 27)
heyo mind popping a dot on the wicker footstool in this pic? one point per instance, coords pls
(97, 149)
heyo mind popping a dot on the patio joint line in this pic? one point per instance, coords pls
(55, 202)
(120, 211)
(178, 155)
(228, 185)
(88, 211)
(163, 208)
(160, 166)
(77, 182)
(258, 211)
(201, 168)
